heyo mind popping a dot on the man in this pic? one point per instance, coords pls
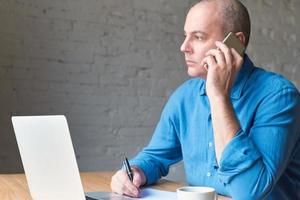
(236, 126)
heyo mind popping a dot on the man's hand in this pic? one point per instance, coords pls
(223, 65)
(121, 184)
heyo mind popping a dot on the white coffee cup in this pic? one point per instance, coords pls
(196, 193)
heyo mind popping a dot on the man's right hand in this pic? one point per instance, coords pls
(121, 184)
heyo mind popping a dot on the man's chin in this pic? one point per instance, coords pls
(193, 72)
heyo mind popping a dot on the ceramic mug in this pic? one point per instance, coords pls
(196, 193)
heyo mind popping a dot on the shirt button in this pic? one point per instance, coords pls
(210, 144)
(209, 117)
(208, 174)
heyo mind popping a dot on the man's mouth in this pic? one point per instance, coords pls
(190, 62)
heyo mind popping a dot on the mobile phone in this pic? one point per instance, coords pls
(233, 42)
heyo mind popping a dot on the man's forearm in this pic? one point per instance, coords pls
(225, 123)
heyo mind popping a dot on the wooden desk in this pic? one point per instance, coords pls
(14, 186)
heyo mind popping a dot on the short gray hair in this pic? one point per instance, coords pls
(234, 17)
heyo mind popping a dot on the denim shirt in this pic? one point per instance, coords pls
(261, 162)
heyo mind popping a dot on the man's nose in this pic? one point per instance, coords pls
(186, 46)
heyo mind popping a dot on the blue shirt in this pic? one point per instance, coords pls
(261, 161)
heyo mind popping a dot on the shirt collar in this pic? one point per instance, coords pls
(240, 80)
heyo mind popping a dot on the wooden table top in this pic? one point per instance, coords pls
(14, 186)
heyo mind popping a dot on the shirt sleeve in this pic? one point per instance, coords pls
(253, 161)
(163, 150)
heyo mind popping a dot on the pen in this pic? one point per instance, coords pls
(128, 168)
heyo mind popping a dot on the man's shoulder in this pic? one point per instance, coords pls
(186, 91)
(269, 81)
(192, 85)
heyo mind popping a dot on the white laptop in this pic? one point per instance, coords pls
(48, 158)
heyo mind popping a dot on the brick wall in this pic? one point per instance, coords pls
(110, 65)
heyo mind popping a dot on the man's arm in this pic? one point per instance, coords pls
(164, 149)
(251, 161)
(121, 184)
(153, 161)
(224, 64)
(254, 160)
(224, 122)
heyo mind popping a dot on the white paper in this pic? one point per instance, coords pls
(151, 194)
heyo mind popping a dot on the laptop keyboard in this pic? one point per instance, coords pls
(109, 196)
(89, 198)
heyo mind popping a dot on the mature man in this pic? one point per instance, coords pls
(236, 126)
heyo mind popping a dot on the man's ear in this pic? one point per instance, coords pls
(241, 37)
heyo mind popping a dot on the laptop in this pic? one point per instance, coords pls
(49, 160)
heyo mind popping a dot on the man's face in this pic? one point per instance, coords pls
(202, 28)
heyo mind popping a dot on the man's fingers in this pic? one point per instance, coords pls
(219, 56)
(139, 177)
(121, 184)
(116, 184)
(128, 187)
(117, 187)
(131, 189)
(211, 62)
(226, 51)
(137, 180)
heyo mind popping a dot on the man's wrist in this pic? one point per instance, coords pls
(223, 112)
(220, 98)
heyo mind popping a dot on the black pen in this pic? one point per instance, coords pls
(128, 168)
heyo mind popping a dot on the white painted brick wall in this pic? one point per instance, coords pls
(110, 66)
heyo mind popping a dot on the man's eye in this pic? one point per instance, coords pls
(197, 37)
